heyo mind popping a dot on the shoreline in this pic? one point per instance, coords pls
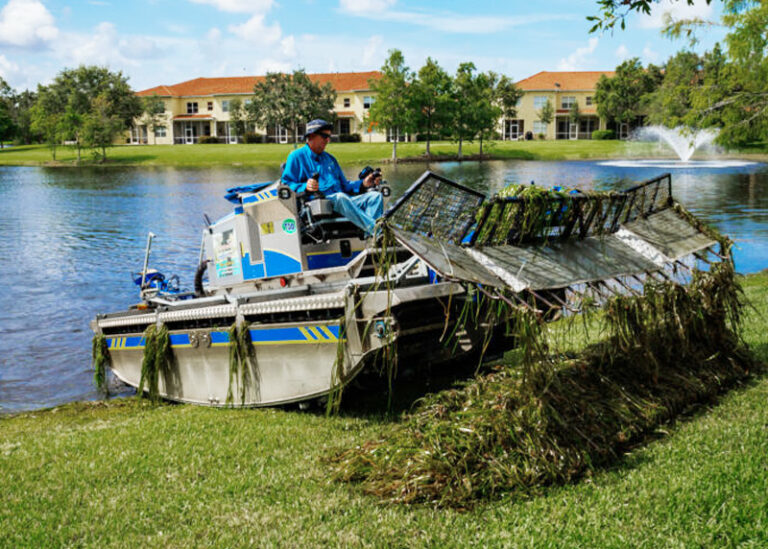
(272, 155)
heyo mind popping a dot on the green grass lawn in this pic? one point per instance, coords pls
(354, 153)
(123, 473)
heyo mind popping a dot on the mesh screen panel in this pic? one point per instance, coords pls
(436, 207)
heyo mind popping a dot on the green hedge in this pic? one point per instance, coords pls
(603, 134)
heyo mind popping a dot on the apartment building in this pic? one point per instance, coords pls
(201, 108)
(563, 89)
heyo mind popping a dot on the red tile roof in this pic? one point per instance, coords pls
(340, 81)
(569, 81)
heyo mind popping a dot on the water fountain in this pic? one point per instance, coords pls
(684, 141)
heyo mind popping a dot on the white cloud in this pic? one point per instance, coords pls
(26, 24)
(239, 6)
(373, 52)
(254, 30)
(366, 6)
(677, 10)
(272, 65)
(213, 35)
(444, 21)
(288, 46)
(649, 55)
(577, 59)
(622, 53)
(8, 69)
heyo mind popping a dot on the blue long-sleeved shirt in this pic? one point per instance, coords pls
(302, 163)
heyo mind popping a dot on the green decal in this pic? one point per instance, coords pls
(289, 226)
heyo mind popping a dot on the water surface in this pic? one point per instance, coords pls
(72, 237)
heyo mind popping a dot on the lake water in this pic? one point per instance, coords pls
(72, 237)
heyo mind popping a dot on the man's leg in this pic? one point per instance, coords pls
(372, 203)
(344, 205)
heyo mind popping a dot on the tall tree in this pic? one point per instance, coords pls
(21, 105)
(430, 98)
(237, 117)
(467, 96)
(671, 103)
(547, 113)
(7, 125)
(101, 125)
(75, 91)
(624, 97)
(487, 106)
(154, 114)
(288, 100)
(507, 97)
(392, 111)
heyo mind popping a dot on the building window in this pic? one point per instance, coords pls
(539, 101)
(589, 100)
(191, 108)
(225, 106)
(539, 127)
(568, 102)
(247, 102)
(160, 131)
(346, 102)
(368, 101)
(210, 105)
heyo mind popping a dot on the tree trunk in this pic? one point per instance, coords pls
(295, 135)
(429, 133)
(461, 139)
(77, 142)
(394, 145)
(103, 153)
(481, 145)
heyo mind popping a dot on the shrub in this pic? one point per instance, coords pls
(210, 140)
(349, 138)
(603, 134)
(251, 137)
(541, 136)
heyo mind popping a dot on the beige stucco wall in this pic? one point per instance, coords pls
(178, 106)
(527, 112)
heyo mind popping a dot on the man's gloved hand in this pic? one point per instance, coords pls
(312, 183)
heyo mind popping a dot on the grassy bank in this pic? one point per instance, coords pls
(346, 153)
(123, 473)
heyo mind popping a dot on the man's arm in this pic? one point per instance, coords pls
(293, 175)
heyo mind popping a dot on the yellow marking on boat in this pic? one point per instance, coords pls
(306, 333)
(329, 333)
(317, 333)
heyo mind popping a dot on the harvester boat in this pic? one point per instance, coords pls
(298, 302)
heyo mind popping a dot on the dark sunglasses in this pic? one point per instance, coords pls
(324, 135)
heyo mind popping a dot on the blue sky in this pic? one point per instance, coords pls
(168, 41)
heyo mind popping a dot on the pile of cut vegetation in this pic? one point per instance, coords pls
(558, 415)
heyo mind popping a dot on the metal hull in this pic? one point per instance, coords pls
(285, 371)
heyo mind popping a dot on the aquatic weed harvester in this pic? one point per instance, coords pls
(298, 303)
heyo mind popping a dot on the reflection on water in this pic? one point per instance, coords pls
(71, 238)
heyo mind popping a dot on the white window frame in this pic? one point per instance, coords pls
(161, 131)
(539, 101)
(588, 101)
(225, 105)
(368, 100)
(539, 127)
(567, 101)
(210, 106)
(192, 107)
(347, 102)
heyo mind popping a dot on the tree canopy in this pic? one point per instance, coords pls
(624, 97)
(289, 100)
(393, 109)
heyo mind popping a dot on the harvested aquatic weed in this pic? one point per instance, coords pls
(670, 348)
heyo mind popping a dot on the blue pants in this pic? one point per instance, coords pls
(363, 210)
